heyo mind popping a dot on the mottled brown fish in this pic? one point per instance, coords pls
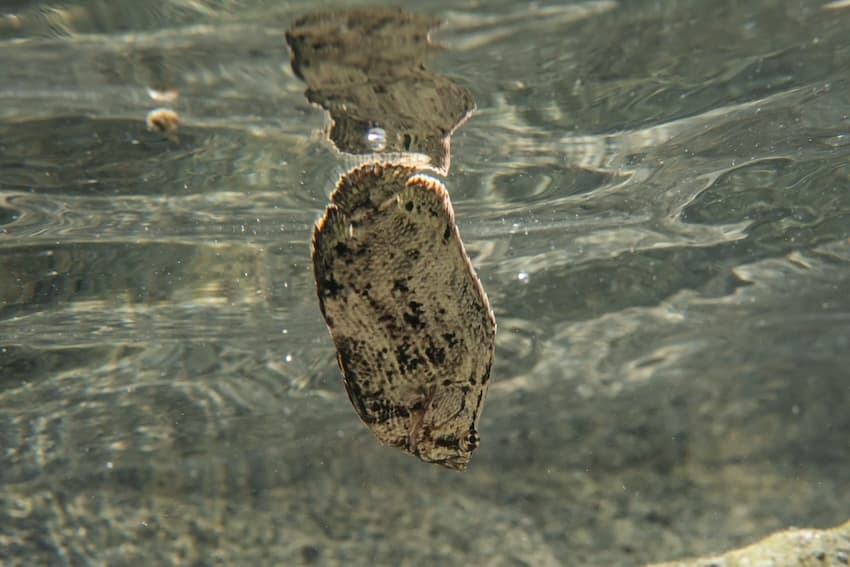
(413, 329)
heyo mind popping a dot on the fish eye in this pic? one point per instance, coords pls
(472, 440)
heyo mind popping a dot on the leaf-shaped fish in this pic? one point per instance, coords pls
(413, 329)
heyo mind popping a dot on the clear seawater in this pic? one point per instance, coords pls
(656, 195)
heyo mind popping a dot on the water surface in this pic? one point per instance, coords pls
(656, 195)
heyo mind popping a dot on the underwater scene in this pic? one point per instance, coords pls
(425, 283)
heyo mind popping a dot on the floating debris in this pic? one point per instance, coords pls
(163, 120)
(163, 95)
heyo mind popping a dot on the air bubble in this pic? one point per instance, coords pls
(376, 139)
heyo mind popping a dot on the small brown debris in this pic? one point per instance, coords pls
(163, 120)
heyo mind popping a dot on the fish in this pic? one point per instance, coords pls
(413, 328)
